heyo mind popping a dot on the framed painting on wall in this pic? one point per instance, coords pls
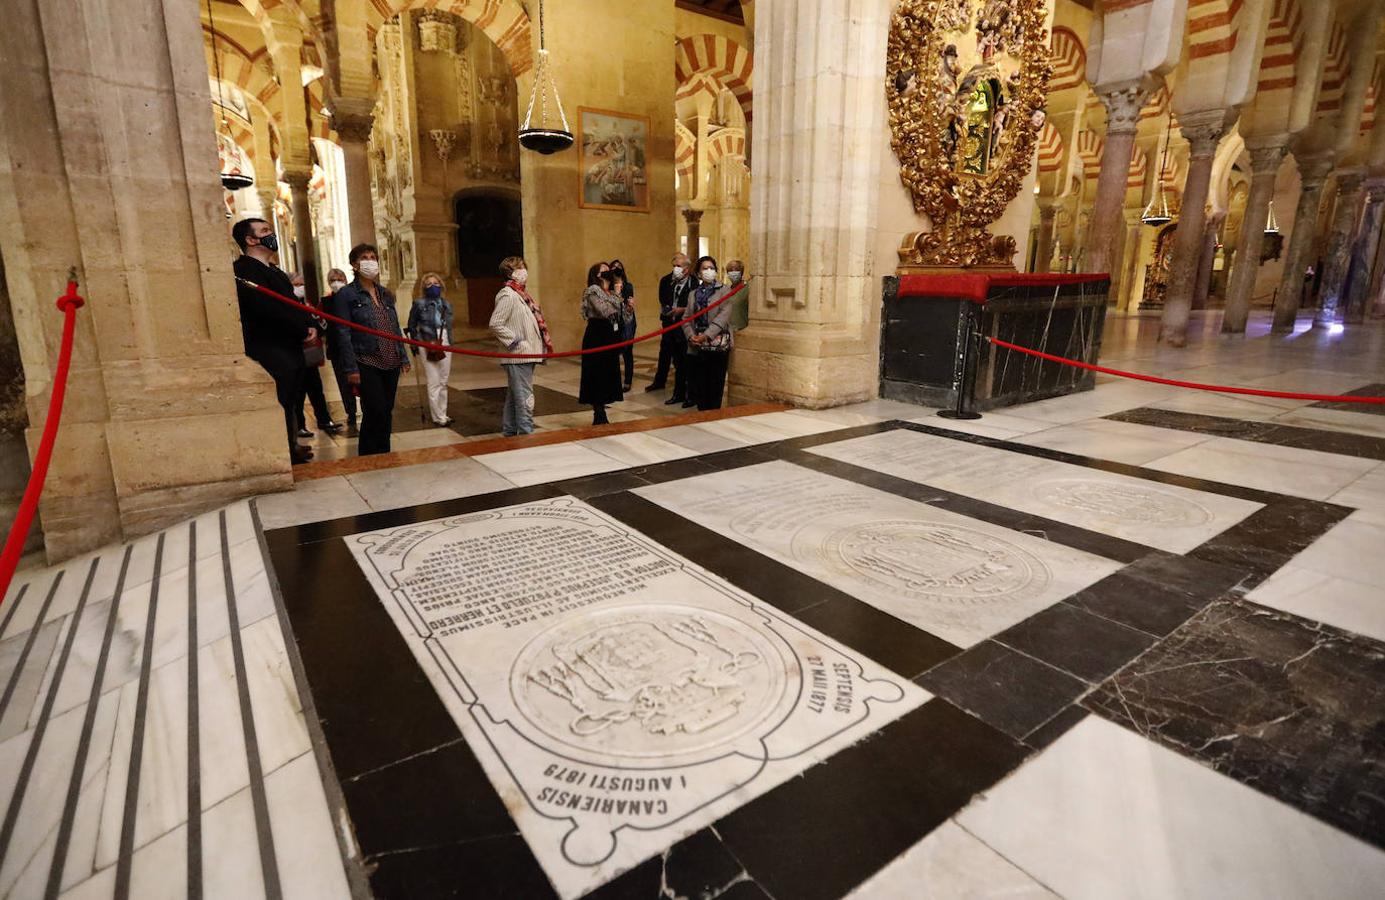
(613, 154)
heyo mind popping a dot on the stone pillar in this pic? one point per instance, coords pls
(814, 204)
(694, 219)
(1123, 104)
(352, 121)
(1377, 289)
(305, 242)
(1203, 131)
(1313, 173)
(115, 172)
(1131, 278)
(1339, 240)
(1043, 250)
(1264, 165)
(1364, 251)
(1206, 260)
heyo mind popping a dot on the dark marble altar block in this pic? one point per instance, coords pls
(926, 318)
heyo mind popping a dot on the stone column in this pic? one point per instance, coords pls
(1313, 173)
(114, 172)
(814, 204)
(694, 219)
(1364, 250)
(1377, 289)
(1123, 102)
(305, 241)
(1206, 260)
(1264, 165)
(1203, 131)
(1131, 279)
(1339, 240)
(1043, 250)
(352, 121)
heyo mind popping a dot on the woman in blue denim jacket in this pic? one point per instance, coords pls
(430, 320)
(372, 365)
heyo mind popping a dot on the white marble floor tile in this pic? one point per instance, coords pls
(555, 462)
(1103, 401)
(791, 423)
(279, 723)
(958, 578)
(951, 864)
(1341, 602)
(86, 823)
(744, 429)
(637, 449)
(1170, 518)
(698, 439)
(100, 886)
(309, 860)
(41, 645)
(1267, 467)
(425, 483)
(564, 421)
(30, 851)
(315, 500)
(887, 409)
(159, 870)
(843, 416)
(1334, 420)
(1253, 409)
(1355, 545)
(1365, 493)
(991, 424)
(1104, 813)
(232, 870)
(163, 783)
(1124, 442)
(223, 766)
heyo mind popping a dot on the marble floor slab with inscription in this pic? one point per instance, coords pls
(618, 696)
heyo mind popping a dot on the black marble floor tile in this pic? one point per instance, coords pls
(1076, 641)
(739, 457)
(820, 835)
(374, 703)
(1367, 390)
(1158, 592)
(1323, 440)
(441, 796)
(588, 486)
(700, 865)
(898, 646)
(1082, 539)
(500, 867)
(1292, 708)
(1004, 688)
(1268, 538)
(1055, 727)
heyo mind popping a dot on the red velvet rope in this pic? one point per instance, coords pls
(69, 303)
(1196, 385)
(489, 354)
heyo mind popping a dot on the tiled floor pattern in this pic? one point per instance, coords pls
(1186, 721)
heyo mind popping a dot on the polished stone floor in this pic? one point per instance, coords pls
(1128, 643)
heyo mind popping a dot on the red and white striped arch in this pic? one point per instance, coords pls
(1050, 149)
(1089, 147)
(1334, 75)
(1212, 27)
(1139, 168)
(684, 152)
(1282, 42)
(1157, 106)
(1069, 60)
(1373, 91)
(503, 21)
(721, 58)
(726, 142)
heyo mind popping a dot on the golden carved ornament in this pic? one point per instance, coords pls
(964, 132)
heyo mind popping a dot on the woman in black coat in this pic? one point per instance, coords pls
(600, 371)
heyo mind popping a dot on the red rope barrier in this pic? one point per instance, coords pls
(69, 303)
(1196, 385)
(488, 354)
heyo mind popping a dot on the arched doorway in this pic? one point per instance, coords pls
(490, 227)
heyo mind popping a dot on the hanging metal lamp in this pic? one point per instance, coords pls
(1157, 212)
(234, 180)
(1271, 223)
(541, 137)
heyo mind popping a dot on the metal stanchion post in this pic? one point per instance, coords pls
(966, 379)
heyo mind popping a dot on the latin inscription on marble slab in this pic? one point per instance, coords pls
(618, 697)
(1167, 517)
(956, 577)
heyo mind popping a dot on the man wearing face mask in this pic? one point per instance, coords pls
(372, 364)
(673, 304)
(274, 332)
(336, 280)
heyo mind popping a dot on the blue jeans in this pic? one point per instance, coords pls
(518, 417)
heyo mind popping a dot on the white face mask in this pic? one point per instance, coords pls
(336, 285)
(735, 277)
(370, 268)
(300, 291)
(678, 273)
(709, 275)
(519, 276)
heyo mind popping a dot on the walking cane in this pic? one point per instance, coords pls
(422, 394)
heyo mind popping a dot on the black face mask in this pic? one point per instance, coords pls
(618, 273)
(270, 242)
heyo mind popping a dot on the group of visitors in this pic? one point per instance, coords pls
(293, 344)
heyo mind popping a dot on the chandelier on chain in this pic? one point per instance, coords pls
(234, 180)
(1157, 212)
(541, 137)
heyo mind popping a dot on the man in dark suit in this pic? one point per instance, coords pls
(673, 307)
(274, 332)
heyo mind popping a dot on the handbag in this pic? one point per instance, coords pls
(435, 355)
(314, 355)
(719, 344)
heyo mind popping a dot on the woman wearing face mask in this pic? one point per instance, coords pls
(372, 364)
(430, 320)
(314, 357)
(601, 308)
(336, 280)
(518, 324)
(709, 337)
(626, 292)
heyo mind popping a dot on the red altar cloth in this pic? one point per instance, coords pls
(976, 287)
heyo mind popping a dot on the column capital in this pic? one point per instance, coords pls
(353, 117)
(1123, 101)
(1203, 131)
(1313, 171)
(692, 216)
(297, 179)
(1265, 160)
(1048, 207)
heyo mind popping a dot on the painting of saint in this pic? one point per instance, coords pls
(613, 158)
